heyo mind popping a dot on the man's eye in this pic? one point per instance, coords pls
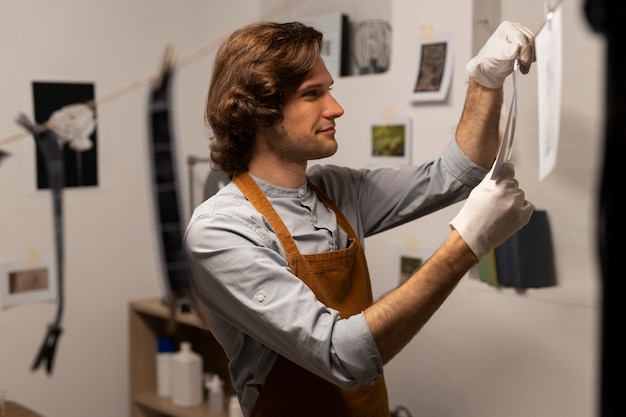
(311, 93)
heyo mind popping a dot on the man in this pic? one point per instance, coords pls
(276, 255)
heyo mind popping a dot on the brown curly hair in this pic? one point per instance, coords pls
(255, 68)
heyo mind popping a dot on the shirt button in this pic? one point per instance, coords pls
(260, 296)
(301, 192)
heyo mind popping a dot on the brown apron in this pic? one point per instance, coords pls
(340, 280)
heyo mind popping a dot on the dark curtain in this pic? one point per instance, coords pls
(608, 18)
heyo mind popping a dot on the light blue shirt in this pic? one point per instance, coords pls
(259, 309)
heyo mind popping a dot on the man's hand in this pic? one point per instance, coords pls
(494, 61)
(494, 210)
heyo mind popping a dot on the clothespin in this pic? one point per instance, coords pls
(549, 7)
(48, 348)
(169, 58)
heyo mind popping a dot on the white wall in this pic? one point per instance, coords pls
(487, 352)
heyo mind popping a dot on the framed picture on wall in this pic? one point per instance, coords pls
(336, 43)
(407, 262)
(23, 282)
(389, 141)
(433, 69)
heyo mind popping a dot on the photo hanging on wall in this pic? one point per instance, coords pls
(63, 106)
(26, 281)
(408, 261)
(433, 69)
(336, 43)
(389, 141)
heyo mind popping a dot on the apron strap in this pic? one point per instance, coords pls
(253, 193)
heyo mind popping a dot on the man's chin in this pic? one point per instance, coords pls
(322, 157)
(328, 153)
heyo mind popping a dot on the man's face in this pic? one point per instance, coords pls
(307, 130)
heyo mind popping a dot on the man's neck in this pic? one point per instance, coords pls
(287, 175)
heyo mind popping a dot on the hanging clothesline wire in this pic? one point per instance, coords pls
(192, 57)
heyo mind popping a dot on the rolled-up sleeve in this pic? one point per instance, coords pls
(355, 347)
(460, 166)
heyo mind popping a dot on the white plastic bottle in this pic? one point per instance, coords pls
(186, 373)
(234, 408)
(165, 349)
(216, 394)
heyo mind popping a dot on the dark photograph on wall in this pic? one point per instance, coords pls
(432, 65)
(64, 106)
(433, 68)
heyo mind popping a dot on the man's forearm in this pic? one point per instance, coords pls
(478, 131)
(398, 316)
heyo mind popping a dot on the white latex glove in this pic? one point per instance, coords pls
(494, 210)
(494, 61)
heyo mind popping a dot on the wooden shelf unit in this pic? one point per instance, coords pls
(149, 320)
